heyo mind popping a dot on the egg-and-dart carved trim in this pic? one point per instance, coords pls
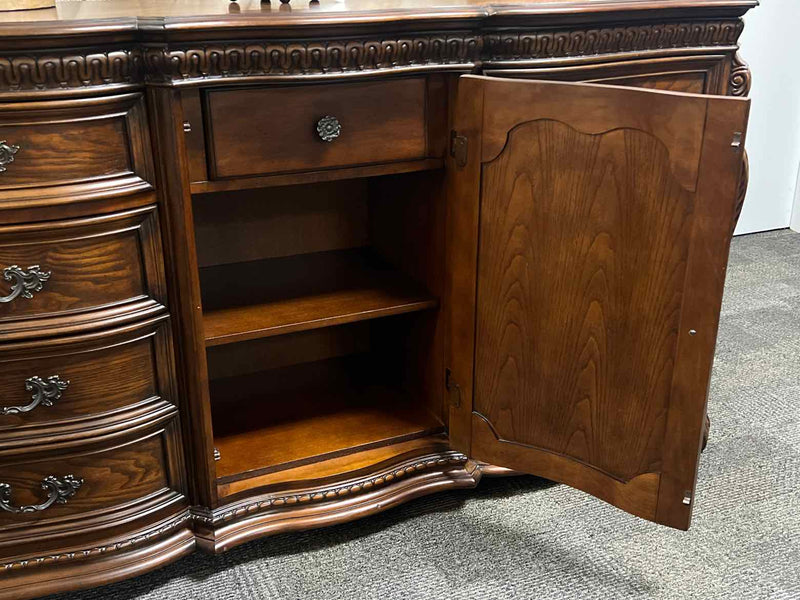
(170, 64)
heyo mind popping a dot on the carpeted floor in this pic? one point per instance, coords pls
(527, 538)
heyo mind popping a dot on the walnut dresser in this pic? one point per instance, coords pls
(269, 267)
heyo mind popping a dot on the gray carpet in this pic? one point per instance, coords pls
(527, 538)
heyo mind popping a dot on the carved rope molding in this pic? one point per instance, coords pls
(333, 493)
(96, 551)
(365, 485)
(165, 64)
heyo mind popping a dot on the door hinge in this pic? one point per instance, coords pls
(458, 148)
(453, 388)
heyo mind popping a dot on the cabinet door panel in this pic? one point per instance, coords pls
(602, 231)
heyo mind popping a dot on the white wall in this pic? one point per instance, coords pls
(795, 223)
(771, 45)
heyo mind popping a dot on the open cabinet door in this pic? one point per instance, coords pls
(588, 242)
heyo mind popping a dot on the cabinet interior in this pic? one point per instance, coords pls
(321, 319)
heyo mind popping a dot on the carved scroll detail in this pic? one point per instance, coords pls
(740, 80)
(69, 70)
(579, 42)
(245, 59)
(167, 64)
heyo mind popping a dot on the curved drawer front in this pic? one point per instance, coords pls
(91, 481)
(266, 130)
(64, 275)
(100, 141)
(74, 387)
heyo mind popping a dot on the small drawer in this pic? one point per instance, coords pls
(89, 141)
(266, 130)
(93, 481)
(69, 275)
(70, 388)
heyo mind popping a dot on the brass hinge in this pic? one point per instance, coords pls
(453, 388)
(458, 148)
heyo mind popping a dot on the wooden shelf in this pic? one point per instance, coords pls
(332, 174)
(294, 416)
(282, 295)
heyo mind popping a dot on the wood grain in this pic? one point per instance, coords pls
(584, 242)
(251, 300)
(111, 477)
(588, 229)
(75, 141)
(697, 74)
(272, 130)
(107, 374)
(242, 226)
(286, 417)
(94, 263)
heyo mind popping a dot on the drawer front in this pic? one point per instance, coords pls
(89, 481)
(271, 130)
(73, 141)
(75, 386)
(68, 271)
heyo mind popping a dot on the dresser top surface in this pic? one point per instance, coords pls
(71, 17)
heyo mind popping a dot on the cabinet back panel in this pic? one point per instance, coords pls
(252, 225)
(251, 356)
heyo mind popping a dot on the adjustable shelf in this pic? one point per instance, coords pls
(275, 296)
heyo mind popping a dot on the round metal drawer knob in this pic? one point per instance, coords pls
(329, 128)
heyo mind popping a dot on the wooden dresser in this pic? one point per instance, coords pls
(268, 267)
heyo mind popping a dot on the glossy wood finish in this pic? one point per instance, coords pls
(91, 145)
(380, 122)
(303, 292)
(184, 284)
(109, 478)
(692, 74)
(591, 198)
(132, 481)
(268, 422)
(73, 81)
(253, 225)
(103, 270)
(117, 378)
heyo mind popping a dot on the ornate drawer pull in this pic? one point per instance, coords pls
(24, 282)
(7, 152)
(45, 392)
(329, 128)
(58, 492)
